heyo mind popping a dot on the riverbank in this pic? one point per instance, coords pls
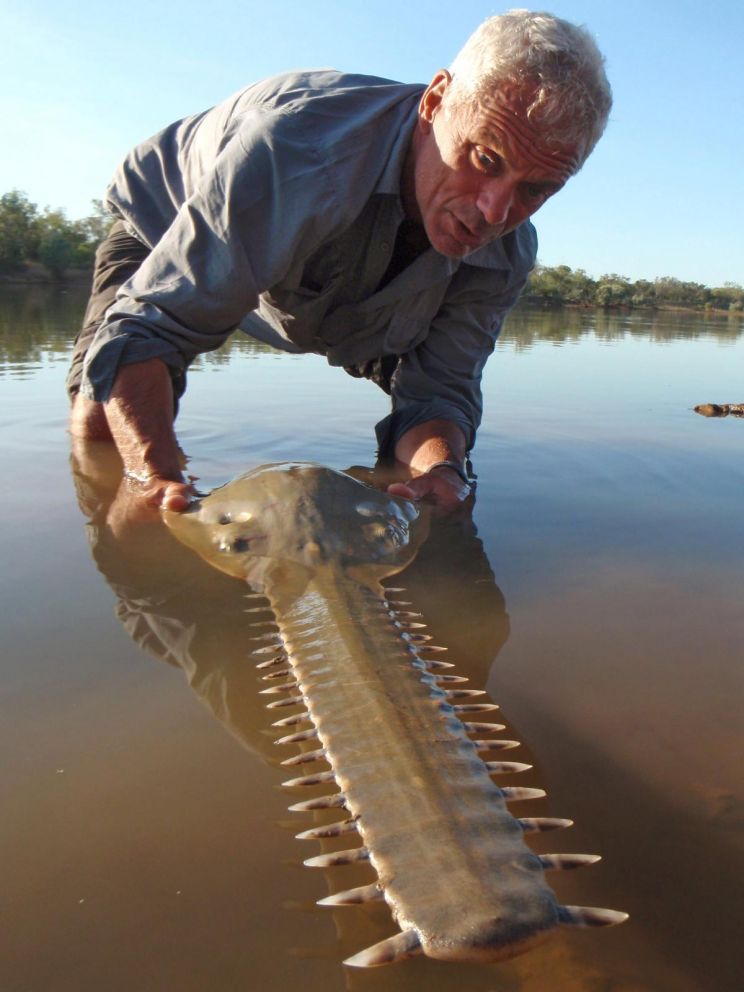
(624, 308)
(35, 274)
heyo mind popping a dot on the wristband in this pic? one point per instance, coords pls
(455, 468)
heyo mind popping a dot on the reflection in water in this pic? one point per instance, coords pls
(38, 323)
(526, 326)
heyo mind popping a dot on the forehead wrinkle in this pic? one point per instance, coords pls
(513, 129)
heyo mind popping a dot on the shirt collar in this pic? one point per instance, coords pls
(389, 181)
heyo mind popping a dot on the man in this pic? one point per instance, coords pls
(380, 224)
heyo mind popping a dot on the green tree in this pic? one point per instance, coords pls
(56, 252)
(643, 294)
(18, 230)
(612, 290)
(58, 241)
(91, 231)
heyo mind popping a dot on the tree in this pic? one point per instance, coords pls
(612, 290)
(58, 241)
(91, 231)
(18, 230)
(56, 251)
(644, 294)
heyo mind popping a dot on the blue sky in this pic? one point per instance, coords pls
(661, 195)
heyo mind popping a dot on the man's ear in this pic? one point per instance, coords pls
(433, 95)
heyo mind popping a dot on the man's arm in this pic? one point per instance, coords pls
(427, 445)
(438, 383)
(139, 417)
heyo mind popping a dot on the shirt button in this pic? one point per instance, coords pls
(385, 246)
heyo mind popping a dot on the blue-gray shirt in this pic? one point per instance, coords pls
(277, 212)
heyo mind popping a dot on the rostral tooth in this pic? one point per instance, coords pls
(289, 701)
(290, 721)
(299, 737)
(304, 756)
(506, 767)
(474, 707)
(539, 824)
(321, 802)
(396, 948)
(590, 916)
(353, 897)
(560, 862)
(331, 830)
(318, 779)
(276, 690)
(515, 793)
(280, 659)
(338, 858)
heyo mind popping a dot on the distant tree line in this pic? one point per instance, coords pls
(562, 285)
(28, 234)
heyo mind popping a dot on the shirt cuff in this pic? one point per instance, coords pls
(104, 360)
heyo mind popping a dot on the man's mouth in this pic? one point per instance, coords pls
(472, 237)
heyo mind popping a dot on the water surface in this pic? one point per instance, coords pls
(597, 593)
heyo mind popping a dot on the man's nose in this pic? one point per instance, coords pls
(494, 201)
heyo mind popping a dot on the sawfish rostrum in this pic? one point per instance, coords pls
(371, 698)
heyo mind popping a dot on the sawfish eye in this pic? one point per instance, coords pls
(240, 544)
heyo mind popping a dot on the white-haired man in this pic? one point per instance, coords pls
(382, 225)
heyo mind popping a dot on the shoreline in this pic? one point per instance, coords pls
(35, 275)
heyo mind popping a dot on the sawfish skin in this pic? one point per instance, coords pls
(450, 858)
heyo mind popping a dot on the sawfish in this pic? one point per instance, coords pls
(399, 732)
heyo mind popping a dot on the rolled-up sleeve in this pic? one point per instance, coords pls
(441, 377)
(264, 202)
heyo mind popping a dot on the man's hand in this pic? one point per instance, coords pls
(137, 503)
(420, 449)
(167, 494)
(441, 486)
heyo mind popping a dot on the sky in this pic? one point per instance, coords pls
(661, 195)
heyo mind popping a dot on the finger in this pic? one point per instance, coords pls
(177, 499)
(402, 489)
(169, 495)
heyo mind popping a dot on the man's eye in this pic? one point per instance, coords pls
(487, 161)
(536, 192)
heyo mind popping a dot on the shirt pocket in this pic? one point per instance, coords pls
(298, 311)
(404, 332)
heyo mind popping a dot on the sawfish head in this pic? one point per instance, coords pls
(282, 522)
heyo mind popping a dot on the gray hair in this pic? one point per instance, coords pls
(572, 99)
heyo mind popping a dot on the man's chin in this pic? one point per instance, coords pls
(450, 247)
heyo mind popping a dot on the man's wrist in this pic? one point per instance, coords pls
(455, 467)
(144, 477)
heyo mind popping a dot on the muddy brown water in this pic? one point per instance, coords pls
(596, 592)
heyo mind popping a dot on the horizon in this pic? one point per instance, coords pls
(651, 202)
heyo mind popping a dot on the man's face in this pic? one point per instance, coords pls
(477, 173)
